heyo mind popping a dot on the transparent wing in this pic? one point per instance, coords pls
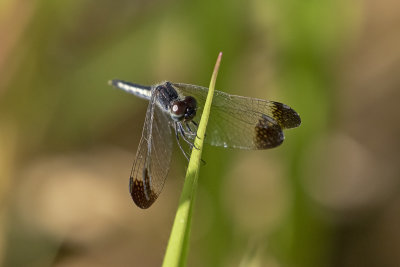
(242, 122)
(153, 158)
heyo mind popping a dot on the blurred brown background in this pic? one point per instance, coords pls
(329, 196)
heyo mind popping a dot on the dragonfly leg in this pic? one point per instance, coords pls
(189, 130)
(197, 126)
(179, 143)
(192, 133)
(195, 132)
(182, 132)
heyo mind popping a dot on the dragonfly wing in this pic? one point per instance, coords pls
(242, 122)
(153, 158)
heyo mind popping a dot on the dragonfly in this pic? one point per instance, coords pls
(174, 111)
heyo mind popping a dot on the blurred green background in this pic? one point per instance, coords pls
(329, 196)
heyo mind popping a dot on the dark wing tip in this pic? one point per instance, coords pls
(268, 133)
(285, 116)
(142, 197)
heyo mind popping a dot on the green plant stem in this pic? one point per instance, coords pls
(178, 244)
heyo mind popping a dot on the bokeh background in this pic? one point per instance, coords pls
(329, 196)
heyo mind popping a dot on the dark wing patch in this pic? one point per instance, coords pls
(142, 193)
(268, 133)
(285, 115)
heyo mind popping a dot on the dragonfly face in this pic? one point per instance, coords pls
(184, 110)
(234, 122)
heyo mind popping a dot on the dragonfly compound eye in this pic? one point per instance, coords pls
(178, 109)
(191, 106)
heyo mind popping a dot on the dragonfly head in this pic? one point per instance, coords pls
(184, 109)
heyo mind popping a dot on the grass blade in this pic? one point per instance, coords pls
(178, 243)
